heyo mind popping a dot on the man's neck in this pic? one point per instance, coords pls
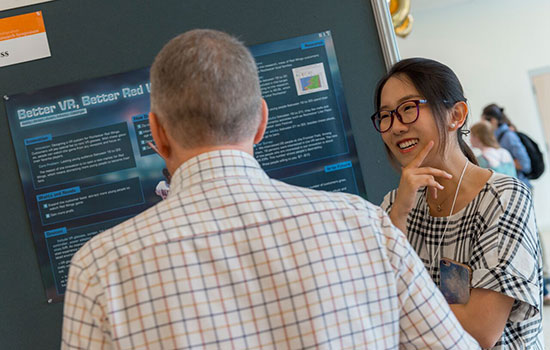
(182, 155)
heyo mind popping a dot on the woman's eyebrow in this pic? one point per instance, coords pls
(404, 98)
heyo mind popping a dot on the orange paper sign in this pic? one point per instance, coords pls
(23, 25)
(23, 38)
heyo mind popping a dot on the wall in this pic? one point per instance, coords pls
(491, 45)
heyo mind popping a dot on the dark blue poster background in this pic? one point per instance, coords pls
(85, 164)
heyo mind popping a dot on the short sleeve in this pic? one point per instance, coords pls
(506, 257)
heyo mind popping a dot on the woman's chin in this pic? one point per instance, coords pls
(402, 159)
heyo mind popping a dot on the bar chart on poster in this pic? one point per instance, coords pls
(86, 164)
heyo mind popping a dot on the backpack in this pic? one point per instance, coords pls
(532, 148)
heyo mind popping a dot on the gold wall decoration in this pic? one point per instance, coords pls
(401, 18)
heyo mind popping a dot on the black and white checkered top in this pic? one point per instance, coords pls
(495, 234)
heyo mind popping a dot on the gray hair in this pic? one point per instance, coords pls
(205, 89)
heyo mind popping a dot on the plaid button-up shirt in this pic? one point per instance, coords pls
(234, 259)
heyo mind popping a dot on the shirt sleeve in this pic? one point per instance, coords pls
(426, 321)
(387, 202)
(518, 151)
(85, 323)
(507, 257)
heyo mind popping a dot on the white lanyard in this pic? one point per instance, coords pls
(432, 265)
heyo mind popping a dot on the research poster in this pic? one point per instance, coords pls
(86, 165)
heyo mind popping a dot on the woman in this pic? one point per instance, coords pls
(451, 208)
(492, 155)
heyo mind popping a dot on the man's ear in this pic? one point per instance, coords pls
(263, 123)
(160, 137)
(458, 115)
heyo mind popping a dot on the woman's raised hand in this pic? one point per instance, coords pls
(413, 177)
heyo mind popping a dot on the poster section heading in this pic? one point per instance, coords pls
(84, 175)
(333, 178)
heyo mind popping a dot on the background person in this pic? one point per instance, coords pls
(450, 207)
(508, 139)
(492, 155)
(234, 259)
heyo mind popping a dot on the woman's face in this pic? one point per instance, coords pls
(492, 121)
(405, 141)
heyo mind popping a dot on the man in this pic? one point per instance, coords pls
(234, 259)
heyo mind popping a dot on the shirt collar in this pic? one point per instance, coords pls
(215, 165)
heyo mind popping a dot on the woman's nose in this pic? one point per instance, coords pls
(398, 127)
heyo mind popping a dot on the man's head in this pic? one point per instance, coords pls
(205, 91)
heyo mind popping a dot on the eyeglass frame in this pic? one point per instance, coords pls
(393, 112)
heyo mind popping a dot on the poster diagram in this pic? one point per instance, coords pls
(86, 165)
(309, 79)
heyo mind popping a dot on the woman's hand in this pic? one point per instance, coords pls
(413, 177)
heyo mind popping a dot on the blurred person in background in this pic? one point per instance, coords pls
(509, 140)
(492, 155)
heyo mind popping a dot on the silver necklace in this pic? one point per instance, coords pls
(438, 206)
(432, 265)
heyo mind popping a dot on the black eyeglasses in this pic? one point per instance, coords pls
(407, 112)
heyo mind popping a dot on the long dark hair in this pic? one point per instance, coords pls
(440, 86)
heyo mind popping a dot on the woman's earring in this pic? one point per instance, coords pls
(453, 125)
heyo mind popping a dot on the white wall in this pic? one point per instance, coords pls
(491, 45)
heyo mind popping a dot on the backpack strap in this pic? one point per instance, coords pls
(501, 136)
